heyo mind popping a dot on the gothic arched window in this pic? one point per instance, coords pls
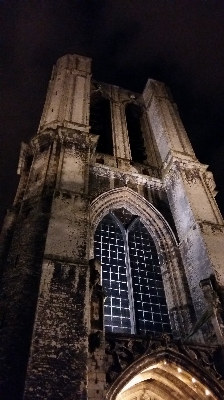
(133, 119)
(131, 275)
(100, 122)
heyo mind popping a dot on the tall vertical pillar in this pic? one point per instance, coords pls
(68, 96)
(121, 141)
(45, 287)
(58, 358)
(190, 191)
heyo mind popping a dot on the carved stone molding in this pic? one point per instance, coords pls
(122, 351)
(164, 240)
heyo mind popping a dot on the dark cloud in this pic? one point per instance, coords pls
(178, 42)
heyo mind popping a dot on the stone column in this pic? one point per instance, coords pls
(59, 348)
(190, 191)
(68, 96)
(121, 141)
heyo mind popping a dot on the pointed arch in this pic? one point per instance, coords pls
(137, 205)
(167, 249)
(167, 373)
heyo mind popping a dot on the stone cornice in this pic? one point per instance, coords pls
(64, 135)
(138, 178)
(180, 161)
(65, 124)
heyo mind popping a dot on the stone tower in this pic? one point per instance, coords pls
(112, 274)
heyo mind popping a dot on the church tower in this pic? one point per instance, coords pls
(112, 271)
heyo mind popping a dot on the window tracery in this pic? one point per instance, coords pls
(131, 275)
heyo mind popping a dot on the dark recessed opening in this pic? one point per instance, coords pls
(133, 118)
(100, 122)
(38, 177)
(145, 171)
(27, 212)
(16, 261)
(100, 160)
(29, 161)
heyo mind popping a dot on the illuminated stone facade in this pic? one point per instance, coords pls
(99, 149)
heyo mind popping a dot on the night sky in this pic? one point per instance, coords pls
(180, 42)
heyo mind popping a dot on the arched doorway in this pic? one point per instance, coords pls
(164, 381)
(166, 371)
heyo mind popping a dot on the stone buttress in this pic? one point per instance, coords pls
(51, 300)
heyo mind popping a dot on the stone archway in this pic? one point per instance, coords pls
(168, 252)
(166, 371)
(166, 381)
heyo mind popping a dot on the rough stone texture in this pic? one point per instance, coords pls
(123, 351)
(175, 284)
(19, 294)
(58, 360)
(51, 317)
(68, 93)
(190, 192)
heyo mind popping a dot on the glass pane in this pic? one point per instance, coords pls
(151, 312)
(109, 250)
(123, 215)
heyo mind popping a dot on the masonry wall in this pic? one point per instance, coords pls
(190, 191)
(46, 290)
(19, 292)
(22, 265)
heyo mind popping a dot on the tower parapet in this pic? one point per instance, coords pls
(67, 100)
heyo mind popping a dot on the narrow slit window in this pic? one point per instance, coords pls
(100, 122)
(133, 119)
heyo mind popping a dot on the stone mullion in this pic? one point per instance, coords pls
(118, 141)
(127, 150)
(120, 134)
(151, 151)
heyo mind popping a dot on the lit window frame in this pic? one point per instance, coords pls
(125, 230)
